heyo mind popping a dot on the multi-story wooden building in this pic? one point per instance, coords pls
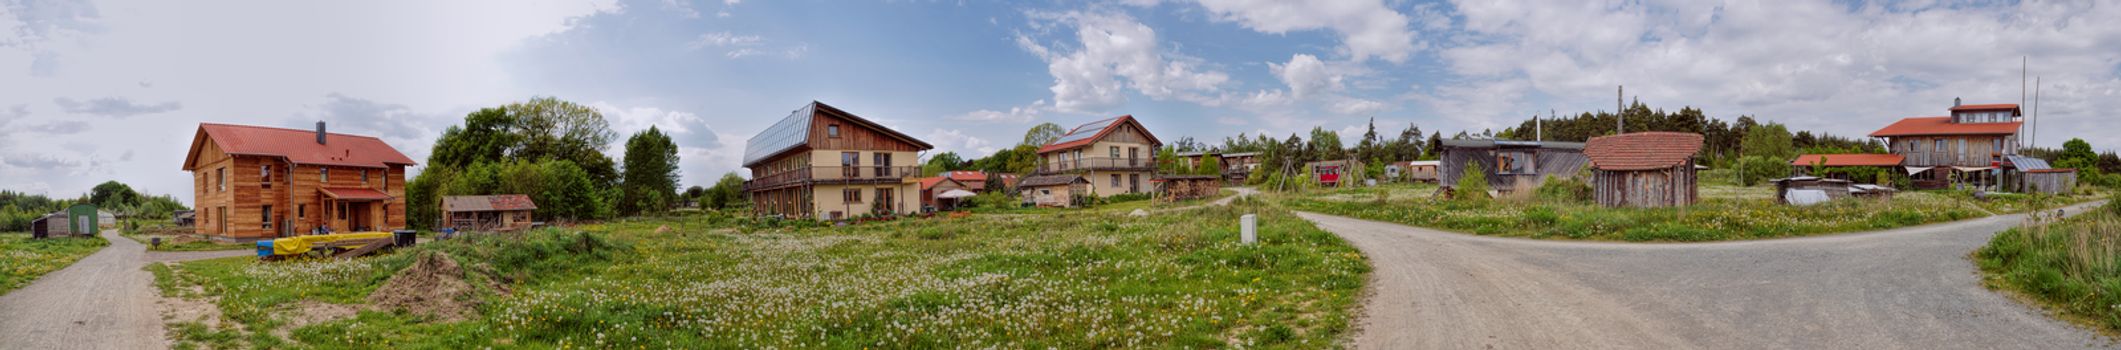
(1965, 146)
(822, 162)
(1115, 156)
(251, 183)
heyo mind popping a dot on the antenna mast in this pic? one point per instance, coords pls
(1621, 125)
(2036, 112)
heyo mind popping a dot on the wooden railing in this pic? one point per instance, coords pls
(834, 174)
(1088, 164)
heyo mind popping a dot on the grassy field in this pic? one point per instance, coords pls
(1726, 212)
(23, 259)
(1071, 279)
(2072, 267)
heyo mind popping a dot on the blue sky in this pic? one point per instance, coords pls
(100, 90)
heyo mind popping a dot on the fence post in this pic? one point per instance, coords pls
(1250, 234)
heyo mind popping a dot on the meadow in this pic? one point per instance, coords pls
(2071, 267)
(1066, 279)
(23, 259)
(1725, 212)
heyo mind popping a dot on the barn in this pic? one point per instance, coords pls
(505, 212)
(1644, 169)
(1510, 165)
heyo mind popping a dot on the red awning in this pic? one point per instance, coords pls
(355, 194)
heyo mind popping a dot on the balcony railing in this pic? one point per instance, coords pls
(1088, 164)
(834, 174)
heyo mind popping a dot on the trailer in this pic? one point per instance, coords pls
(334, 246)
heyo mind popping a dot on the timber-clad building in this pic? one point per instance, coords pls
(825, 163)
(251, 182)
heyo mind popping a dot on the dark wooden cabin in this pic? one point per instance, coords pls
(1510, 165)
(1644, 169)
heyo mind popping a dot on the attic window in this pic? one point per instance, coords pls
(832, 130)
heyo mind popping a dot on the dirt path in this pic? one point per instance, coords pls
(104, 301)
(1905, 288)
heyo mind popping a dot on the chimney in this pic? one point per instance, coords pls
(1955, 103)
(320, 132)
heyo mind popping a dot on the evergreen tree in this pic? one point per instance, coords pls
(651, 173)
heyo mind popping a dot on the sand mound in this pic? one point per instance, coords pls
(433, 286)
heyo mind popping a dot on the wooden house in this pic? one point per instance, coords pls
(825, 163)
(1115, 155)
(1804, 163)
(251, 182)
(1336, 173)
(182, 218)
(1644, 169)
(1238, 166)
(2033, 175)
(504, 212)
(1054, 190)
(934, 185)
(1960, 148)
(1412, 171)
(1509, 165)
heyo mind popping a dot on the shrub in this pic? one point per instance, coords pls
(1752, 170)
(1472, 184)
(1564, 190)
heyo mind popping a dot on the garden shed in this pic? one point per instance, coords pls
(1510, 165)
(1060, 190)
(1412, 171)
(1808, 190)
(1644, 169)
(84, 219)
(505, 212)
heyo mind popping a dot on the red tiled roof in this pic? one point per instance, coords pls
(1849, 159)
(1986, 107)
(2058, 170)
(1642, 150)
(1109, 124)
(354, 193)
(930, 182)
(1924, 126)
(298, 146)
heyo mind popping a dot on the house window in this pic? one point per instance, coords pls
(265, 216)
(301, 210)
(1134, 183)
(832, 130)
(851, 195)
(324, 175)
(1941, 145)
(265, 175)
(883, 199)
(1115, 180)
(342, 211)
(1133, 153)
(848, 163)
(364, 176)
(1115, 151)
(221, 179)
(883, 164)
(1513, 163)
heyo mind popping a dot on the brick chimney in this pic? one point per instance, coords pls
(320, 132)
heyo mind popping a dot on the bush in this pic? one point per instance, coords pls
(1472, 184)
(1564, 190)
(1753, 170)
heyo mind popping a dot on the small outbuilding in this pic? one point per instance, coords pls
(1644, 169)
(505, 212)
(183, 218)
(1058, 190)
(1808, 190)
(1510, 165)
(1412, 171)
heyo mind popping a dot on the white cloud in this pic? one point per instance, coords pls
(115, 107)
(721, 39)
(1367, 27)
(1476, 105)
(954, 140)
(627, 120)
(1357, 106)
(1022, 114)
(1118, 54)
(1305, 75)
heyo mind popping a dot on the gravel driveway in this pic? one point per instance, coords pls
(104, 301)
(1911, 288)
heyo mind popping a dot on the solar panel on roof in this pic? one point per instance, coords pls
(788, 133)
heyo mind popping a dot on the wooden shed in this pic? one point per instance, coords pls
(506, 212)
(1807, 190)
(1412, 171)
(1059, 190)
(2049, 181)
(1644, 169)
(1510, 165)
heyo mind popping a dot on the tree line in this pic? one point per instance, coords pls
(553, 151)
(18, 209)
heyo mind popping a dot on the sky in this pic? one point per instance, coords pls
(96, 90)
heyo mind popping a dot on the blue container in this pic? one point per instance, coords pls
(264, 248)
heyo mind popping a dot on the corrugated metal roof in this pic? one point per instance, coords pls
(1092, 131)
(1491, 143)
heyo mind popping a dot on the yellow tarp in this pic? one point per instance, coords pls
(301, 244)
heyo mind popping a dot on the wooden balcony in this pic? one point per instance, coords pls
(1096, 164)
(861, 174)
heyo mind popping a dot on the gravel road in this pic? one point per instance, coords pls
(104, 301)
(1910, 288)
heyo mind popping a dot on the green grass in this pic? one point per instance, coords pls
(1712, 219)
(23, 259)
(1072, 279)
(2072, 267)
